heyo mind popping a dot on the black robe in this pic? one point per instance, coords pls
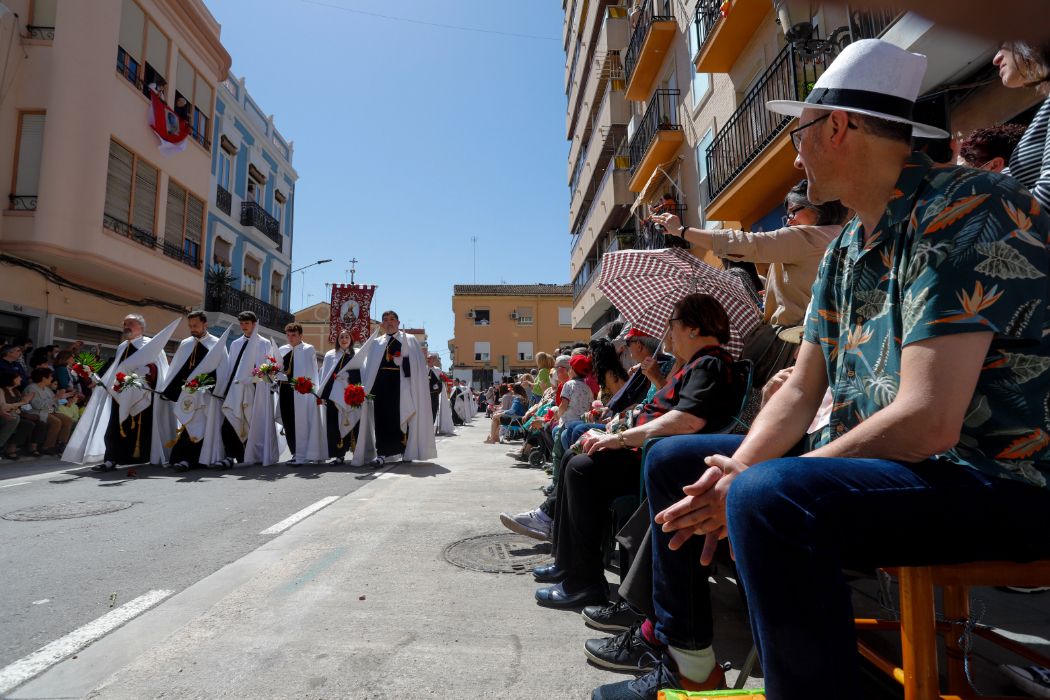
(337, 444)
(390, 439)
(130, 441)
(185, 449)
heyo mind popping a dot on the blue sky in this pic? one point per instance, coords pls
(410, 139)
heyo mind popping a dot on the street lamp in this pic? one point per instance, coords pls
(302, 292)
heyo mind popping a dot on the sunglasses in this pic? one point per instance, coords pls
(796, 134)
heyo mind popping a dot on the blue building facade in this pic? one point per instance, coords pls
(250, 228)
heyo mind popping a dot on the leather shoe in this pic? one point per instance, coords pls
(549, 574)
(556, 597)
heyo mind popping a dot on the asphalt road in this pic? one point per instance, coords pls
(59, 574)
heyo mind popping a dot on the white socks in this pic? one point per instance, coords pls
(694, 664)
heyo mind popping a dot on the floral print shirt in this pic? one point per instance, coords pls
(957, 250)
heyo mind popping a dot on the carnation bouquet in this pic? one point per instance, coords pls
(202, 382)
(355, 395)
(128, 381)
(267, 370)
(303, 385)
(86, 364)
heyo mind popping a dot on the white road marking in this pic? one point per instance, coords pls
(304, 513)
(41, 601)
(20, 483)
(47, 656)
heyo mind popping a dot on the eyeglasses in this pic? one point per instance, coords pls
(791, 214)
(672, 320)
(796, 136)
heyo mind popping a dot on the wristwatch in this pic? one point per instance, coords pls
(622, 438)
(682, 230)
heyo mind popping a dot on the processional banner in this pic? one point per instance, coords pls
(350, 309)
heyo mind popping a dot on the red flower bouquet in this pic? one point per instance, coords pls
(304, 385)
(85, 364)
(354, 395)
(124, 381)
(199, 383)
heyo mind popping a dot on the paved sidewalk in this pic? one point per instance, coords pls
(358, 601)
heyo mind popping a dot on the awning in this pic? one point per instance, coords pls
(664, 171)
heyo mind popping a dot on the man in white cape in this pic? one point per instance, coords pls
(248, 433)
(179, 449)
(439, 402)
(117, 427)
(393, 369)
(299, 412)
(458, 401)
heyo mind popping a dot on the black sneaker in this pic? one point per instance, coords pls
(627, 651)
(664, 675)
(614, 617)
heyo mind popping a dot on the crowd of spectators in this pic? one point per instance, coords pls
(41, 398)
(905, 331)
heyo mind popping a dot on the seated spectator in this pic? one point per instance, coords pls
(793, 253)
(11, 438)
(702, 395)
(990, 148)
(930, 418)
(29, 431)
(45, 404)
(11, 362)
(519, 402)
(1027, 65)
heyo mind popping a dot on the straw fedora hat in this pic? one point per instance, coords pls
(870, 77)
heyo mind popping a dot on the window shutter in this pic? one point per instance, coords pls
(184, 78)
(251, 267)
(132, 26)
(222, 252)
(202, 97)
(157, 49)
(145, 214)
(175, 223)
(194, 219)
(30, 146)
(44, 13)
(118, 182)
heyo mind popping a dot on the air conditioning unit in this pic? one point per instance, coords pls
(514, 315)
(470, 314)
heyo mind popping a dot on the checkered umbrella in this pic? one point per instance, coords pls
(644, 285)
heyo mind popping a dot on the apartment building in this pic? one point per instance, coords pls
(99, 221)
(665, 96)
(250, 224)
(499, 328)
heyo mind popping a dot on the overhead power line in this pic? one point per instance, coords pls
(411, 20)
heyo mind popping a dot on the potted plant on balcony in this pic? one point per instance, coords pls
(219, 281)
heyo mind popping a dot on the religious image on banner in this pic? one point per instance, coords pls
(350, 309)
(168, 126)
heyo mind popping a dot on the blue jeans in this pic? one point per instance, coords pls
(796, 522)
(681, 595)
(573, 431)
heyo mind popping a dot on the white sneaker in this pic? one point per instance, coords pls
(534, 524)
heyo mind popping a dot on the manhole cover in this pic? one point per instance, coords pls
(499, 554)
(62, 511)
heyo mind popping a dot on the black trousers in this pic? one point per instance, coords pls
(186, 450)
(338, 445)
(387, 390)
(232, 441)
(286, 404)
(433, 404)
(128, 442)
(582, 521)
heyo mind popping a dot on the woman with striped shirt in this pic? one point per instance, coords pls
(1023, 64)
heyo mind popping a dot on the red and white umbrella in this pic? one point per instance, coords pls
(644, 285)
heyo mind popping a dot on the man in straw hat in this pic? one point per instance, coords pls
(929, 322)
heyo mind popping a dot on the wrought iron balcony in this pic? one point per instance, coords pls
(872, 24)
(661, 115)
(752, 128)
(254, 215)
(149, 240)
(140, 236)
(708, 12)
(223, 199)
(43, 33)
(21, 202)
(652, 12)
(233, 301)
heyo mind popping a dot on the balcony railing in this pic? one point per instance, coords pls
(607, 162)
(708, 12)
(580, 284)
(233, 301)
(223, 199)
(254, 215)
(661, 115)
(652, 11)
(22, 202)
(872, 24)
(751, 128)
(42, 33)
(147, 239)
